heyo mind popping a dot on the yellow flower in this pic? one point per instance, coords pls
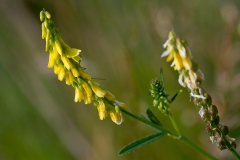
(69, 77)
(47, 39)
(75, 72)
(53, 56)
(58, 46)
(87, 89)
(61, 72)
(116, 117)
(101, 110)
(97, 90)
(78, 95)
(66, 62)
(109, 96)
(84, 74)
(44, 31)
(177, 62)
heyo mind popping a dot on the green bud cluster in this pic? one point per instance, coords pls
(160, 98)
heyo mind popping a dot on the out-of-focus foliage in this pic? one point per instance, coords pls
(121, 42)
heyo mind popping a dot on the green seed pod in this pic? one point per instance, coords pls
(224, 130)
(213, 110)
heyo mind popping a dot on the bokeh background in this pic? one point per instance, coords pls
(121, 42)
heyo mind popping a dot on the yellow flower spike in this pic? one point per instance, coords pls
(84, 74)
(97, 90)
(109, 96)
(116, 117)
(66, 62)
(69, 78)
(75, 72)
(58, 47)
(78, 95)
(61, 72)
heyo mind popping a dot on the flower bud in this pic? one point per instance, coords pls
(47, 14)
(61, 72)
(58, 47)
(42, 15)
(66, 62)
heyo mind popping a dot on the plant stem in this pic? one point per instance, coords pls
(190, 143)
(175, 124)
(171, 134)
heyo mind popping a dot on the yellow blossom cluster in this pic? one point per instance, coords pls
(66, 63)
(178, 52)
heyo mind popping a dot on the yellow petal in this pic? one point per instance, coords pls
(47, 39)
(87, 88)
(116, 117)
(75, 72)
(97, 90)
(61, 73)
(69, 78)
(44, 31)
(58, 47)
(72, 52)
(78, 95)
(66, 62)
(187, 63)
(77, 59)
(109, 96)
(84, 74)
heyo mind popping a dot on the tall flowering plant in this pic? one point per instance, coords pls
(66, 63)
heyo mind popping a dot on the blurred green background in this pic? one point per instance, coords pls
(121, 42)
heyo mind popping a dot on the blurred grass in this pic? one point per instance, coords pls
(121, 42)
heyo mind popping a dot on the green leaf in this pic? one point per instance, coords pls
(140, 143)
(175, 96)
(153, 118)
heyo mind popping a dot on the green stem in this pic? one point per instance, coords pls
(160, 128)
(175, 124)
(206, 154)
(171, 134)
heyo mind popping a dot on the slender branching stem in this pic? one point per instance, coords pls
(171, 134)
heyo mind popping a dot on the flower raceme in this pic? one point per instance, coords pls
(178, 52)
(190, 76)
(66, 64)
